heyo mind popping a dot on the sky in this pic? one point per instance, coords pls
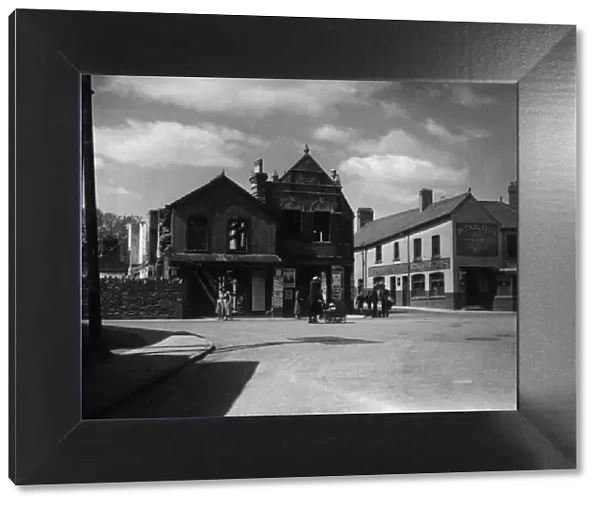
(157, 139)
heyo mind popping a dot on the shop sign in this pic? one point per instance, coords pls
(477, 239)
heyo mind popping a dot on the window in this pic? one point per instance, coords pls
(436, 284)
(378, 255)
(435, 246)
(511, 246)
(293, 221)
(418, 285)
(197, 233)
(396, 251)
(237, 234)
(417, 250)
(321, 226)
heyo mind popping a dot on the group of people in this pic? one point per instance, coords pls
(315, 302)
(224, 307)
(378, 301)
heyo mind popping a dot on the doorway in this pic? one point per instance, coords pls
(405, 291)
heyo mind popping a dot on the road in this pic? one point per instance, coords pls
(405, 363)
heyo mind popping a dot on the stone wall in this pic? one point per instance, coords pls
(138, 299)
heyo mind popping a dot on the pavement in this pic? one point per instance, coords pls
(134, 361)
(409, 362)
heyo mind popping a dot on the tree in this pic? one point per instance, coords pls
(112, 230)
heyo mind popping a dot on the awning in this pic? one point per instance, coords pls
(224, 258)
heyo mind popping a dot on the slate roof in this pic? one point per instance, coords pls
(505, 214)
(221, 179)
(396, 224)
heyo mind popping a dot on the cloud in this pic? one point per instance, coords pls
(393, 110)
(465, 96)
(395, 167)
(243, 96)
(333, 134)
(442, 133)
(168, 144)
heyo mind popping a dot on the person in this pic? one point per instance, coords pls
(297, 305)
(369, 301)
(385, 302)
(374, 301)
(219, 309)
(360, 301)
(314, 300)
(227, 303)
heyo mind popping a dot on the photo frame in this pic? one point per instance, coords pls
(50, 50)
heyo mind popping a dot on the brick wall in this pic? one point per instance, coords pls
(138, 299)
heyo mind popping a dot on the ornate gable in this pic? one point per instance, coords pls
(307, 171)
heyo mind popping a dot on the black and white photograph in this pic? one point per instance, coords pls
(256, 247)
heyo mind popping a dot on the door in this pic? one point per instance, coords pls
(258, 291)
(405, 291)
(392, 288)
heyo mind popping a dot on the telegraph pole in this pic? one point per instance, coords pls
(91, 217)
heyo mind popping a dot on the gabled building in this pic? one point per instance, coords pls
(453, 253)
(262, 245)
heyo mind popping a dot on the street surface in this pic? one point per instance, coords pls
(405, 363)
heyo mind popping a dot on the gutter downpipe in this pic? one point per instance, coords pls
(409, 290)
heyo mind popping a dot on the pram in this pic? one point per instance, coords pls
(332, 314)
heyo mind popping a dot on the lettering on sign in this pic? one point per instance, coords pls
(477, 239)
(438, 264)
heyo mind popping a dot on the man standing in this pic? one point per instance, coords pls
(375, 299)
(385, 302)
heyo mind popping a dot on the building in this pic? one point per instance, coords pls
(262, 245)
(315, 233)
(453, 253)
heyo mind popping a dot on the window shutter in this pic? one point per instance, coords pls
(336, 234)
(308, 225)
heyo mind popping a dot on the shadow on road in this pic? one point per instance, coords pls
(325, 340)
(204, 389)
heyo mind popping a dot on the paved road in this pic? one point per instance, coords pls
(409, 362)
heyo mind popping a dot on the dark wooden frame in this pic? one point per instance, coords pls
(49, 50)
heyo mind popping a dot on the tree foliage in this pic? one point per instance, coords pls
(112, 230)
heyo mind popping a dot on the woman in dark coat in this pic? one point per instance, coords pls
(314, 300)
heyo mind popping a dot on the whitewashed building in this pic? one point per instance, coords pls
(454, 253)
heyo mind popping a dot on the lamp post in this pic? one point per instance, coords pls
(91, 218)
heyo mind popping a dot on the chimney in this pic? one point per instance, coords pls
(364, 215)
(513, 195)
(425, 198)
(152, 236)
(258, 181)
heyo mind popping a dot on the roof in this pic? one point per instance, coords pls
(221, 179)
(226, 258)
(397, 224)
(506, 215)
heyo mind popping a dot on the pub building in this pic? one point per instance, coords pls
(454, 253)
(261, 245)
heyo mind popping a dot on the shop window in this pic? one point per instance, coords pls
(435, 246)
(237, 233)
(321, 228)
(436, 284)
(396, 251)
(417, 250)
(511, 246)
(197, 234)
(293, 221)
(378, 255)
(418, 285)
